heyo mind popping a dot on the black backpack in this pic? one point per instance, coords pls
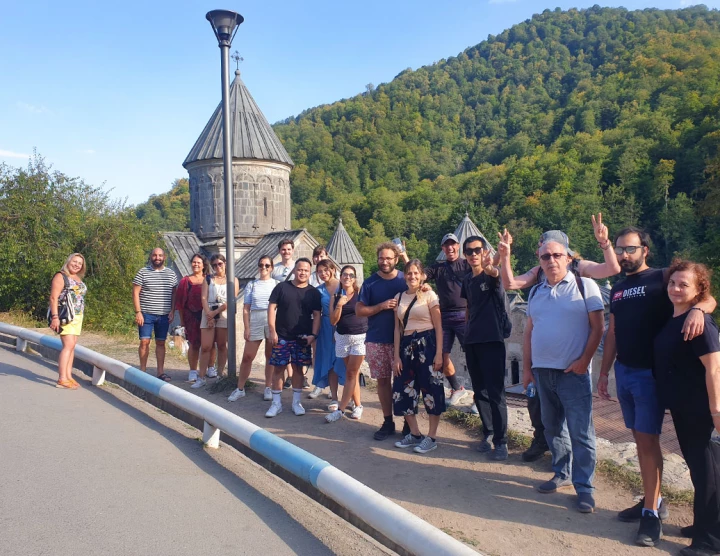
(502, 307)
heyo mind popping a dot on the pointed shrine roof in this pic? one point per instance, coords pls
(252, 136)
(342, 249)
(465, 229)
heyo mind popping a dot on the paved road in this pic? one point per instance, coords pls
(82, 473)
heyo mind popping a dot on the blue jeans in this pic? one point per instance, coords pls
(160, 324)
(566, 402)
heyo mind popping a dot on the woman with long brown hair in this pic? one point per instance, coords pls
(213, 327)
(73, 271)
(188, 302)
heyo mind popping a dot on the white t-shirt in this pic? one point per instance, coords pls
(257, 294)
(280, 271)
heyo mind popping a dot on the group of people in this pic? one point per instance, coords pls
(661, 342)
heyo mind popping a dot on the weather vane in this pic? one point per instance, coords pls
(236, 56)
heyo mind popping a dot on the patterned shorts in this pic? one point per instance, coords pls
(380, 359)
(418, 377)
(289, 351)
(349, 344)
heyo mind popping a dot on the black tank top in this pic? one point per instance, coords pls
(349, 322)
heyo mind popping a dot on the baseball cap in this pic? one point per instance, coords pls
(557, 236)
(448, 237)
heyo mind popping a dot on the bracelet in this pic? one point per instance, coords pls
(136, 312)
(607, 245)
(715, 414)
(55, 316)
(698, 309)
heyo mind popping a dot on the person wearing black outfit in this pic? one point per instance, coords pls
(448, 277)
(639, 308)
(485, 345)
(688, 380)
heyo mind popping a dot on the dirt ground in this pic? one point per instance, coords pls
(493, 507)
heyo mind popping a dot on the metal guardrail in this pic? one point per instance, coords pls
(395, 522)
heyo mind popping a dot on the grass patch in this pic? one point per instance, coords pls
(473, 424)
(21, 318)
(459, 536)
(629, 479)
(223, 385)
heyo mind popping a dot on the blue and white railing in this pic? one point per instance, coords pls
(396, 523)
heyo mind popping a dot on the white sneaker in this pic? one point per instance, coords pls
(192, 376)
(236, 395)
(334, 416)
(456, 396)
(351, 405)
(267, 396)
(298, 409)
(333, 405)
(211, 372)
(315, 393)
(357, 412)
(199, 383)
(329, 395)
(474, 410)
(275, 408)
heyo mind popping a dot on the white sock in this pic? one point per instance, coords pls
(276, 397)
(297, 392)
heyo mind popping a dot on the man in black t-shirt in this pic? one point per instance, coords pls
(485, 344)
(294, 321)
(639, 308)
(448, 276)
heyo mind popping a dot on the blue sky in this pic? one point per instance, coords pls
(117, 93)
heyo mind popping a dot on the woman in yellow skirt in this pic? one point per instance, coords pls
(74, 270)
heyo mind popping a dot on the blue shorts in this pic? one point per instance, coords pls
(453, 324)
(159, 323)
(639, 401)
(289, 351)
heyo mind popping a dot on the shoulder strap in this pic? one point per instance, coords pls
(208, 278)
(66, 280)
(532, 291)
(406, 316)
(580, 285)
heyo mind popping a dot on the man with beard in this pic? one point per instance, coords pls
(639, 309)
(154, 288)
(377, 302)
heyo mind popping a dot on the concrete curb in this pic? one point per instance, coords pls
(376, 515)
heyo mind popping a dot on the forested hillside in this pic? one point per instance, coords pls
(566, 114)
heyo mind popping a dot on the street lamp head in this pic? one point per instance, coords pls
(225, 24)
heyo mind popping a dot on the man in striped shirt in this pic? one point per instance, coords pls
(154, 288)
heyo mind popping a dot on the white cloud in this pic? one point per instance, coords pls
(11, 154)
(32, 108)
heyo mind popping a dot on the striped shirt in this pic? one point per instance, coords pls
(257, 294)
(156, 289)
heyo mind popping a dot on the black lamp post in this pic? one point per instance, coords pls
(225, 24)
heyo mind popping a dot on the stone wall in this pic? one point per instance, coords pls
(262, 198)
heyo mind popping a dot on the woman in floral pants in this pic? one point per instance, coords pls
(418, 362)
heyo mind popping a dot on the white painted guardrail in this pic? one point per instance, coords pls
(396, 523)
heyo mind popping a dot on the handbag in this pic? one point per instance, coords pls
(66, 307)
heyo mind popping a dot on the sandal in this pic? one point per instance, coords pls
(165, 377)
(66, 384)
(75, 382)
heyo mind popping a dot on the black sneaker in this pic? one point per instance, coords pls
(687, 531)
(635, 512)
(386, 430)
(287, 384)
(650, 530)
(536, 450)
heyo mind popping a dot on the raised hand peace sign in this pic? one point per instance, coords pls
(601, 230)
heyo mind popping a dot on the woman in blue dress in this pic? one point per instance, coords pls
(328, 371)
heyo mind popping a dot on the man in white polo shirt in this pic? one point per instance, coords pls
(564, 327)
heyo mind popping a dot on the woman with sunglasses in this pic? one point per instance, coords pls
(73, 271)
(213, 327)
(328, 370)
(418, 361)
(349, 342)
(255, 311)
(188, 302)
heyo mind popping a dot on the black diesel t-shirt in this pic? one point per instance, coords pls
(295, 308)
(679, 373)
(448, 279)
(484, 294)
(641, 307)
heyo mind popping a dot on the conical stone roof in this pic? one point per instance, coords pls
(465, 229)
(342, 249)
(252, 136)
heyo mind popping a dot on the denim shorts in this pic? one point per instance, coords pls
(639, 401)
(453, 324)
(158, 323)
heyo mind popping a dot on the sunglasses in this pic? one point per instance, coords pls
(346, 275)
(215, 265)
(630, 249)
(556, 256)
(474, 251)
(264, 265)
